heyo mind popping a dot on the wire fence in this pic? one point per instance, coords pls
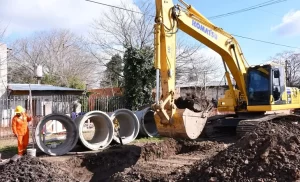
(71, 105)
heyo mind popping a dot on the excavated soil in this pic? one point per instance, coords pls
(102, 165)
(33, 169)
(160, 162)
(152, 161)
(270, 153)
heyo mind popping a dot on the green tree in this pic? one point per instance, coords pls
(76, 83)
(49, 79)
(113, 73)
(72, 82)
(139, 77)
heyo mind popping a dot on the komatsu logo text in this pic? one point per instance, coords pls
(204, 29)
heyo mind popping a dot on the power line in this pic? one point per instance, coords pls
(118, 7)
(249, 38)
(267, 3)
(267, 42)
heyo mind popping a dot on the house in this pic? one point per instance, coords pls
(46, 99)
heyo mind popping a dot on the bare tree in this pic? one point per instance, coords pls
(2, 31)
(60, 52)
(3, 59)
(292, 59)
(119, 28)
(116, 29)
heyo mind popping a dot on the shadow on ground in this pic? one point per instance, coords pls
(100, 165)
(117, 159)
(8, 151)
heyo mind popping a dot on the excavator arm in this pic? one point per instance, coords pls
(169, 19)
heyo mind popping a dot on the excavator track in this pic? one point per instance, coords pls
(249, 125)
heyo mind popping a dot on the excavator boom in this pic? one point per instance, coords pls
(170, 120)
(260, 88)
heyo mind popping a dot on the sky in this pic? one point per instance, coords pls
(278, 23)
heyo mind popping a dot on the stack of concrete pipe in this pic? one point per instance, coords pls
(131, 125)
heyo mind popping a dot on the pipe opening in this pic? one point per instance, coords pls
(53, 134)
(88, 130)
(149, 123)
(95, 130)
(128, 124)
(56, 134)
(100, 133)
(126, 127)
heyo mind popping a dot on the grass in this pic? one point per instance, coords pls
(8, 149)
(8, 142)
(148, 139)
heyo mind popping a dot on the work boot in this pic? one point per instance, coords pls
(16, 157)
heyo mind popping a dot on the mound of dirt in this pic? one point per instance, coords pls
(104, 164)
(149, 152)
(269, 153)
(161, 150)
(101, 166)
(33, 169)
(167, 160)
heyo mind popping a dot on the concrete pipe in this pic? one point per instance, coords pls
(104, 130)
(128, 123)
(147, 122)
(71, 135)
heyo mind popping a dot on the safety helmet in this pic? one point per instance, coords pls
(19, 109)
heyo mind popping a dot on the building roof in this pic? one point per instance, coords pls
(39, 87)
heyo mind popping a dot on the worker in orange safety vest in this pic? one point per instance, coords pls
(20, 129)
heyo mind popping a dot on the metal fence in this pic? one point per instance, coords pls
(71, 105)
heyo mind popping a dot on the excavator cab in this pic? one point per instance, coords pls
(265, 86)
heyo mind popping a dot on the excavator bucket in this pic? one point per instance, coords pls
(189, 119)
(184, 124)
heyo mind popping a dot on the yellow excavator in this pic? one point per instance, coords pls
(260, 92)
